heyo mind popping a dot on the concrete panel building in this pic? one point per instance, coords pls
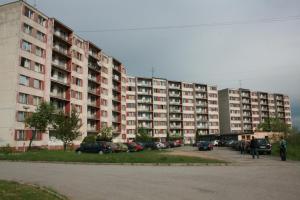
(44, 60)
(241, 110)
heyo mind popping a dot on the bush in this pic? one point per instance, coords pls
(6, 149)
(89, 139)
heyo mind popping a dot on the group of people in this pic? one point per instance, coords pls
(254, 145)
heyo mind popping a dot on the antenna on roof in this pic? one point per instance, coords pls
(240, 83)
(34, 3)
(152, 71)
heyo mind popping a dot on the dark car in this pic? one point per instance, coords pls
(134, 147)
(205, 145)
(264, 146)
(95, 147)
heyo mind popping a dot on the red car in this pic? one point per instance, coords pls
(132, 147)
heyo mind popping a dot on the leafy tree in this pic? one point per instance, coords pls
(40, 119)
(274, 125)
(105, 134)
(66, 127)
(143, 136)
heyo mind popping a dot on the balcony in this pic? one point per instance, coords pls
(94, 91)
(144, 109)
(201, 104)
(144, 92)
(144, 118)
(175, 102)
(175, 126)
(201, 111)
(116, 120)
(145, 101)
(60, 80)
(60, 65)
(61, 51)
(202, 126)
(62, 36)
(92, 116)
(94, 67)
(174, 86)
(175, 118)
(94, 55)
(201, 96)
(149, 126)
(175, 110)
(116, 109)
(144, 84)
(93, 103)
(202, 119)
(92, 129)
(58, 95)
(173, 94)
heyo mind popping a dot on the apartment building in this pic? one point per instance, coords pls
(241, 110)
(44, 60)
(181, 109)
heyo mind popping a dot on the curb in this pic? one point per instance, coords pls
(123, 164)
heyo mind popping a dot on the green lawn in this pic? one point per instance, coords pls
(136, 157)
(16, 191)
(293, 148)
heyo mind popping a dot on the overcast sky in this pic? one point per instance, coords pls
(264, 56)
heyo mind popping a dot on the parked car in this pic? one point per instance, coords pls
(205, 145)
(160, 145)
(148, 145)
(134, 147)
(264, 146)
(113, 147)
(122, 147)
(95, 147)
(215, 142)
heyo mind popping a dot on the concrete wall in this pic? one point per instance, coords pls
(224, 112)
(9, 48)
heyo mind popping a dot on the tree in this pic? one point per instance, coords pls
(66, 127)
(143, 136)
(40, 119)
(274, 125)
(105, 134)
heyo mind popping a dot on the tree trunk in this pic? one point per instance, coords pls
(65, 146)
(31, 139)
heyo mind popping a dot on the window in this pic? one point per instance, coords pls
(42, 21)
(24, 80)
(77, 81)
(76, 94)
(77, 55)
(40, 36)
(78, 108)
(25, 62)
(21, 116)
(38, 68)
(26, 46)
(37, 100)
(39, 51)
(27, 29)
(77, 68)
(20, 135)
(28, 13)
(23, 98)
(37, 84)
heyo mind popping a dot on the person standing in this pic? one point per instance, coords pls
(242, 146)
(283, 148)
(253, 147)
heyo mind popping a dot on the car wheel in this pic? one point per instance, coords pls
(100, 152)
(79, 152)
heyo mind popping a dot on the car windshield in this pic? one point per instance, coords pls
(204, 142)
(262, 142)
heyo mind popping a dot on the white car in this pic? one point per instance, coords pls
(160, 145)
(215, 142)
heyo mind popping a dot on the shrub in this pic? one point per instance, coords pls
(6, 149)
(89, 139)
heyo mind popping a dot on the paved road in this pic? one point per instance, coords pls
(87, 182)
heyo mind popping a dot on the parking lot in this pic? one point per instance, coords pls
(229, 155)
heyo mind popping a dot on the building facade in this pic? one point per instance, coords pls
(241, 110)
(44, 60)
(163, 107)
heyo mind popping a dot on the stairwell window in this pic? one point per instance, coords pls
(37, 84)
(25, 62)
(26, 46)
(23, 98)
(28, 13)
(39, 51)
(24, 80)
(38, 68)
(42, 21)
(27, 29)
(40, 36)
